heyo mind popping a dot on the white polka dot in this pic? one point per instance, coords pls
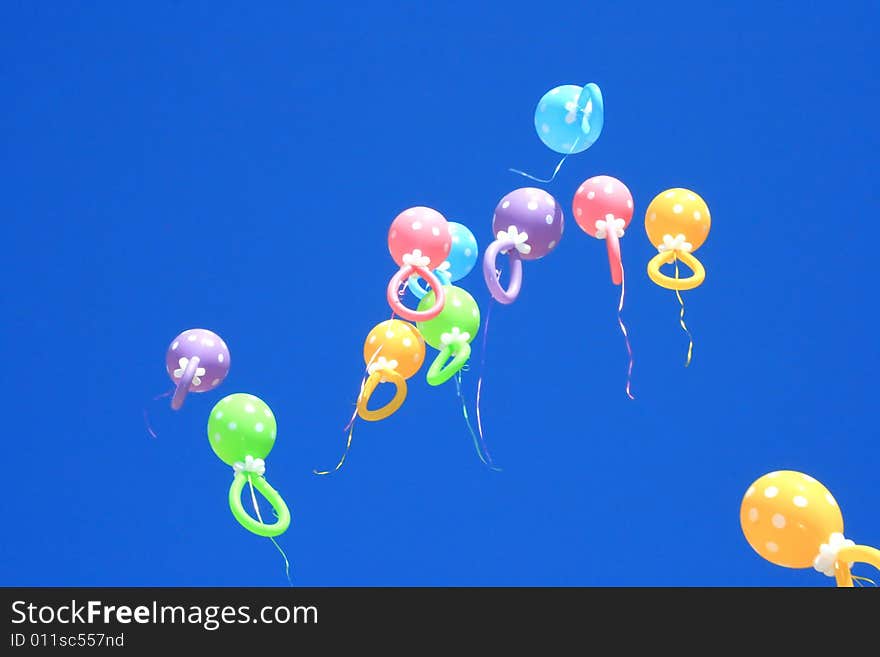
(215, 382)
(579, 211)
(267, 412)
(555, 91)
(407, 342)
(697, 215)
(591, 194)
(629, 203)
(545, 128)
(175, 345)
(543, 107)
(208, 342)
(435, 231)
(417, 225)
(192, 337)
(249, 408)
(778, 520)
(455, 239)
(415, 357)
(750, 491)
(552, 244)
(807, 477)
(233, 426)
(389, 334)
(475, 312)
(372, 339)
(217, 437)
(652, 216)
(774, 474)
(609, 189)
(800, 501)
(410, 213)
(691, 197)
(669, 194)
(258, 427)
(549, 218)
(218, 414)
(772, 547)
(753, 515)
(274, 431)
(393, 234)
(220, 358)
(771, 491)
(830, 499)
(468, 252)
(506, 204)
(532, 205)
(678, 208)
(566, 146)
(456, 302)
(549, 200)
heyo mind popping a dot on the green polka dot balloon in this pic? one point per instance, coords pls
(451, 332)
(241, 430)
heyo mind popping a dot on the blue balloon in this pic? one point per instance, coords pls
(462, 257)
(569, 118)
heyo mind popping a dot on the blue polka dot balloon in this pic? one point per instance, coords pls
(569, 118)
(461, 259)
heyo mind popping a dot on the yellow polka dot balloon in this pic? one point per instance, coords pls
(792, 520)
(395, 342)
(677, 222)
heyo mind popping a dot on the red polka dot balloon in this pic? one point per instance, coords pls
(599, 198)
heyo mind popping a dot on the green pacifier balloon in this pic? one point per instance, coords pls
(241, 430)
(451, 332)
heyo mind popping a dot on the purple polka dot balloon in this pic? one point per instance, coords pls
(534, 212)
(197, 361)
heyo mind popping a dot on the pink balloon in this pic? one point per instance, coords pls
(598, 197)
(420, 229)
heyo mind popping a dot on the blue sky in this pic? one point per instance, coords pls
(235, 166)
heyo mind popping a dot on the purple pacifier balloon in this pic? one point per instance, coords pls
(534, 212)
(197, 361)
(527, 225)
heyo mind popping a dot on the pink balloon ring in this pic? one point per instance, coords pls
(419, 242)
(603, 208)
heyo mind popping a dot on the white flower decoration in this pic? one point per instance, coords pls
(255, 466)
(183, 362)
(676, 243)
(444, 266)
(519, 239)
(602, 226)
(827, 557)
(381, 364)
(455, 336)
(416, 259)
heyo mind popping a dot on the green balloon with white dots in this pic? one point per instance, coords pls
(241, 425)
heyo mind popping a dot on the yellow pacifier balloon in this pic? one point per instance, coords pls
(677, 222)
(792, 520)
(393, 351)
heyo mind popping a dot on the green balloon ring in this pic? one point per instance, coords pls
(441, 371)
(244, 518)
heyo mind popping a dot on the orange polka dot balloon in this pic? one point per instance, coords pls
(398, 344)
(786, 516)
(675, 212)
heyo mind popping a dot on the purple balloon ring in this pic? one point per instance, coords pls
(197, 361)
(528, 224)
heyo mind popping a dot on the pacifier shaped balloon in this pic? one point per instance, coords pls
(793, 521)
(419, 242)
(393, 351)
(197, 361)
(241, 430)
(462, 257)
(677, 222)
(527, 224)
(450, 332)
(603, 208)
(568, 119)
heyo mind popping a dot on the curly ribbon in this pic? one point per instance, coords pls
(482, 368)
(581, 105)
(147, 422)
(478, 442)
(682, 322)
(271, 538)
(629, 352)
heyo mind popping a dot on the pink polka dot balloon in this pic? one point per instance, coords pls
(197, 361)
(419, 241)
(603, 208)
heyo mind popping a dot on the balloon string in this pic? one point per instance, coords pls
(859, 580)
(681, 321)
(555, 171)
(482, 366)
(147, 422)
(487, 460)
(271, 538)
(629, 352)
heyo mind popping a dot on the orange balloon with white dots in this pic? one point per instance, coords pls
(792, 520)
(678, 211)
(399, 344)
